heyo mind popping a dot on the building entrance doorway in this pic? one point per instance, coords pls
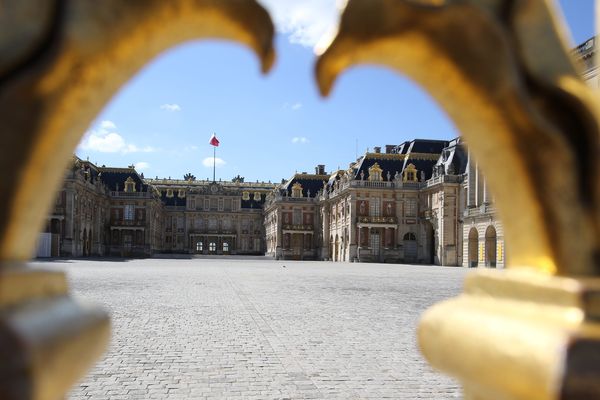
(490, 247)
(473, 248)
(375, 245)
(127, 243)
(409, 243)
(430, 232)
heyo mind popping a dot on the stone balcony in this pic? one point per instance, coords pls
(378, 220)
(436, 180)
(140, 195)
(127, 223)
(483, 209)
(297, 227)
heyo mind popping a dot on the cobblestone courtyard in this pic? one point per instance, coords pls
(254, 329)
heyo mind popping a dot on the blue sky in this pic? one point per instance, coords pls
(270, 126)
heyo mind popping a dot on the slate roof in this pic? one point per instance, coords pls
(172, 201)
(89, 168)
(309, 182)
(454, 158)
(422, 153)
(253, 202)
(117, 176)
(391, 163)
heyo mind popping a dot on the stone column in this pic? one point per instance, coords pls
(351, 225)
(471, 182)
(325, 241)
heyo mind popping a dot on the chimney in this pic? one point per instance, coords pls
(389, 148)
(320, 169)
(377, 149)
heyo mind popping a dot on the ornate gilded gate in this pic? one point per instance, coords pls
(500, 69)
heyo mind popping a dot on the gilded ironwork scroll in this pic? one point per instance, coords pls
(60, 62)
(501, 70)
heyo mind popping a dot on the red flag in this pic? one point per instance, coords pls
(213, 140)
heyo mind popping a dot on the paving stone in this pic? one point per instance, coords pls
(231, 328)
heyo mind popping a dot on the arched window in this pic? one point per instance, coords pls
(225, 247)
(199, 247)
(296, 190)
(410, 236)
(473, 247)
(129, 185)
(490, 246)
(212, 246)
(375, 173)
(410, 173)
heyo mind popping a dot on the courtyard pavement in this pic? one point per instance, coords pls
(261, 329)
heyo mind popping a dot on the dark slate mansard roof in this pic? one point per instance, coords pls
(454, 158)
(112, 177)
(309, 182)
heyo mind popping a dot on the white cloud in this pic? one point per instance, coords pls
(171, 107)
(208, 162)
(300, 139)
(105, 139)
(310, 23)
(293, 106)
(142, 165)
(107, 125)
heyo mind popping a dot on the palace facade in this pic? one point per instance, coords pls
(406, 205)
(423, 201)
(104, 211)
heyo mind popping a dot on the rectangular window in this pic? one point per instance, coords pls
(213, 203)
(375, 210)
(212, 223)
(192, 204)
(116, 214)
(140, 214)
(411, 207)
(227, 204)
(297, 217)
(129, 212)
(226, 224)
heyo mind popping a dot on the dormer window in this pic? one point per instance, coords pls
(129, 185)
(410, 174)
(296, 190)
(375, 173)
(181, 193)
(169, 193)
(245, 196)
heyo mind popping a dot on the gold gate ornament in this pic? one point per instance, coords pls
(60, 63)
(501, 70)
(498, 67)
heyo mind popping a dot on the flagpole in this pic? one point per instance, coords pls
(214, 162)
